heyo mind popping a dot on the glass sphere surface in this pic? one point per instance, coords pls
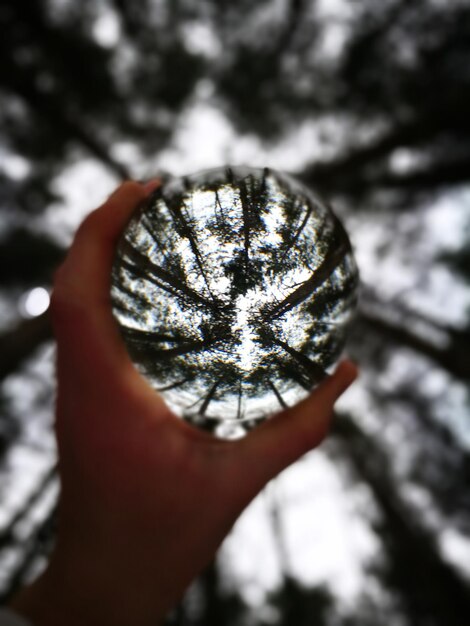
(233, 289)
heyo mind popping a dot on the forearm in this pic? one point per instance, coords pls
(84, 594)
(119, 582)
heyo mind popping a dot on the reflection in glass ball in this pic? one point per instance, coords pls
(233, 289)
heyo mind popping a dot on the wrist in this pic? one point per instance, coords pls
(79, 594)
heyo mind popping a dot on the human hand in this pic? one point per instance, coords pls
(146, 499)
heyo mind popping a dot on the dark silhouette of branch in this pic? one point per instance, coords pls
(27, 258)
(275, 391)
(416, 131)
(453, 357)
(292, 22)
(292, 372)
(210, 395)
(429, 586)
(23, 82)
(219, 212)
(315, 370)
(136, 271)
(176, 211)
(64, 51)
(330, 262)
(149, 336)
(7, 534)
(298, 233)
(130, 18)
(175, 385)
(219, 606)
(18, 344)
(141, 266)
(42, 534)
(239, 401)
(186, 348)
(440, 174)
(246, 210)
(276, 508)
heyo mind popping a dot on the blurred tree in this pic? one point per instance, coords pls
(387, 88)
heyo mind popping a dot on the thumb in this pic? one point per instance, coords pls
(288, 435)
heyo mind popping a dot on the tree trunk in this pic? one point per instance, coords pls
(332, 259)
(434, 593)
(314, 370)
(454, 357)
(144, 268)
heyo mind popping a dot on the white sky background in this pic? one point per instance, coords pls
(327, 528)
(326, 539)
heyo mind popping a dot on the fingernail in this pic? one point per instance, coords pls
(153, 184)
(349, 372)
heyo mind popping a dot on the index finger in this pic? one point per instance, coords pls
(81, 301)
(86, 271)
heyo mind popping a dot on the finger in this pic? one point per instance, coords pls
(288, 435)
(81, 302)
(85, 274)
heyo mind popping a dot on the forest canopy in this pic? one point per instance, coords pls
(368, 104)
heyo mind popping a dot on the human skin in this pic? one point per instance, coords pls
(146, 499)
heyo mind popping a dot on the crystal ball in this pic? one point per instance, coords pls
(233, 289)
